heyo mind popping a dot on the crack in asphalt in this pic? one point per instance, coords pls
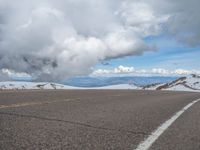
(72, 122)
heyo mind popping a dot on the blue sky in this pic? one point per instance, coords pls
(169, 55)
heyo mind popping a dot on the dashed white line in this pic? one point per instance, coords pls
(146, 144)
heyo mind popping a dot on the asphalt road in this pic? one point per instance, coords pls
(96, 119)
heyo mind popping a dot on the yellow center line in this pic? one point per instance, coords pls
(33, 103)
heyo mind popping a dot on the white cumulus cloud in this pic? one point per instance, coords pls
(127, 71)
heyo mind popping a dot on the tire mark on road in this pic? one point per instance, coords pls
(72, 122)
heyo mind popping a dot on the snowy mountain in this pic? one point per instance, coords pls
(191, 83)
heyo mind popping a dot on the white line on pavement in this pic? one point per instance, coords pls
(146, 144)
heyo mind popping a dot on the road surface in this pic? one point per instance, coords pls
(97, 119)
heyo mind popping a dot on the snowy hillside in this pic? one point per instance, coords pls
(191, 83)
(32, 85)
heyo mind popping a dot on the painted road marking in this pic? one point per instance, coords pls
(39, 103)
(33, 103)
(146, 144)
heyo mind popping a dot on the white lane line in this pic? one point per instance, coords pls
(146, 144)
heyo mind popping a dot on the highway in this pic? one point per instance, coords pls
(99, 120)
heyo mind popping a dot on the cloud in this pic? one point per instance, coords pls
(3, 76)
(123, 69)
(183, 19)
(183, 71)
(118, 70)
(160, 71)
(13, 74)
(127, 71)
(52, 40)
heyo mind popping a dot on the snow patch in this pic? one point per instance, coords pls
(119, 86)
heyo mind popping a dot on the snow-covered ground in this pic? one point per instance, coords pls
(45, 85)
(180, 88)
(33, 85)
(119, 86)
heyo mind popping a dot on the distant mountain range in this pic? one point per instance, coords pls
(190, 83)
(108, 81)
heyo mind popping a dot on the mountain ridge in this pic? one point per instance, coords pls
(191, 83)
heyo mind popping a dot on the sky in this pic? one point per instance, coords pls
(50, 40)
(170, 56)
